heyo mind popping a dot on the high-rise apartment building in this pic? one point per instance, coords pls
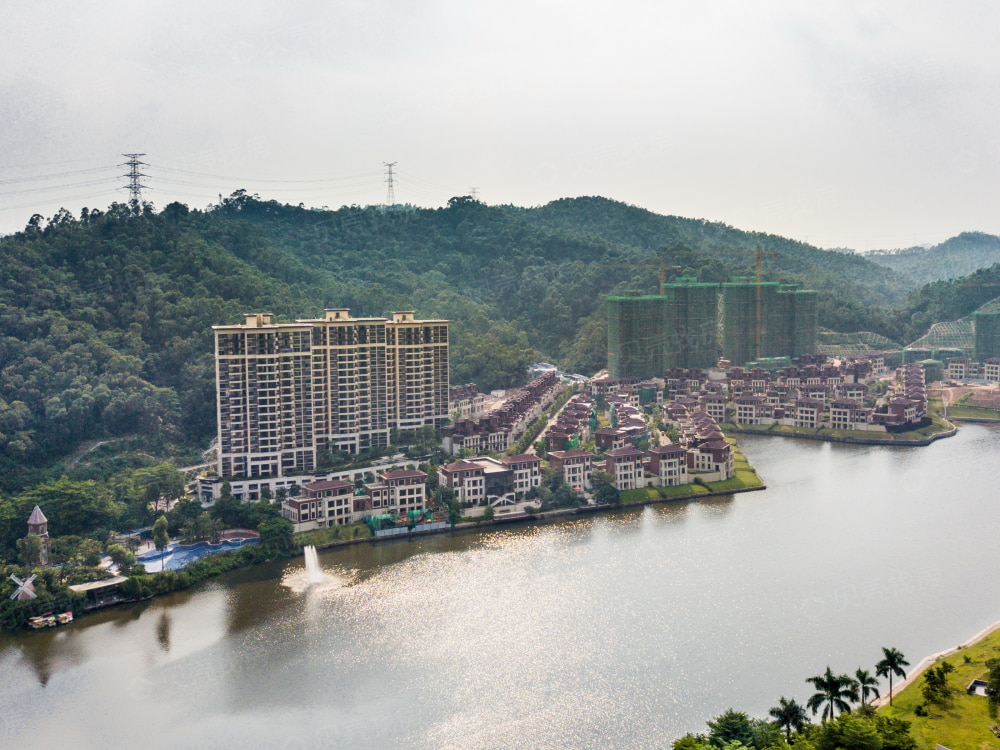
(286, 391)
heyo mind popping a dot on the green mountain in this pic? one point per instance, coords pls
(105, 319)
(952, 259)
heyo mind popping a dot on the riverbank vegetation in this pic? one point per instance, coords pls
(942, 711)
(84, 518)
(938, 426)
(848, 721)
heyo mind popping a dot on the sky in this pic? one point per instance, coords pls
(844, 124)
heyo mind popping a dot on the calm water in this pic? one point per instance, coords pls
(623, 630)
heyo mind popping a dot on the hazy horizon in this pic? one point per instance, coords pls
(839, 124)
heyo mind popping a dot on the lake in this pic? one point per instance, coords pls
(624, 630)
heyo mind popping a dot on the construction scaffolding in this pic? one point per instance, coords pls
(987, 335)
(787, 321)
(649, 333)
(637, 340)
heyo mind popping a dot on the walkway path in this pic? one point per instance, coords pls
(928, 661)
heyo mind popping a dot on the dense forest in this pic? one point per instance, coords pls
(952, 259)
(105, 317)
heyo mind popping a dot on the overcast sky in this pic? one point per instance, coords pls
(841, 123)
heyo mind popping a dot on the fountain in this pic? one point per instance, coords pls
(314, 574)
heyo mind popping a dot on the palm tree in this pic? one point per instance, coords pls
(834, 690)
(865, 683)
(789, 715)
(892, 664)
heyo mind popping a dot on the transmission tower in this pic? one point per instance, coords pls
(133, 176)
(390, 194)
(474, 193)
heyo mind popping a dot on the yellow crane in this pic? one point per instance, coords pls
(662, 268)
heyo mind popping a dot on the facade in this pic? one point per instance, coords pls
(525, 470)
(286, 391)
(713, 460)
(336, 502)
(626, 466)
(808, 413)
(321, 504)
(576, 466)
(668, 464)
(467, 479)
(847, 414)
(398, 491)
(991, 369)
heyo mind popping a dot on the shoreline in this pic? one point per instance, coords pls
(557, 514)
(850, 440)
(927, 661)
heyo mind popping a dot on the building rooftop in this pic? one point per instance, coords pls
(404, 474)
(328, 484)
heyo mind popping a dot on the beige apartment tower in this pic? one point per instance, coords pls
(288, 390)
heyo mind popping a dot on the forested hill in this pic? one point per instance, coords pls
(953, 299)
(105, 318)
(952, 259)
(796, 261)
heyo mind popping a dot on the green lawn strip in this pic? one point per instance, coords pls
(742, 480)
(973, 412)
(335, 534)
(646, 494)
(966, 724)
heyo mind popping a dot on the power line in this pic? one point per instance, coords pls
(134, 176)
(227, 178)
(52, 176)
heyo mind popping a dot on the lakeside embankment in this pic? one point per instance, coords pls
(533, 518)
(966, 720)
(809, 433)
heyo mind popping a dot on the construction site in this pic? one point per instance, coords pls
(691, 324)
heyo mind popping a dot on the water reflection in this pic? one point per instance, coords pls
(163, 631)
(622, 629)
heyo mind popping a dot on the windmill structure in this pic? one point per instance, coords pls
(25, 589)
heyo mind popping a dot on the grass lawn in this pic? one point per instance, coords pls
(744, 478)
(644, 494)
(938, 425)
(966, 724)
(335, 534)
(973, 412)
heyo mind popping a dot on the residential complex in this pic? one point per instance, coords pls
(490, 481)
(336, 502)
(500, 429)
(288, 391)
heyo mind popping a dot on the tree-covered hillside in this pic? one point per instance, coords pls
(952, 259)
(105, 318)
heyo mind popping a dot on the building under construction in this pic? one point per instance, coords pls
(783, 324)
(987, 335)
(649, 333)
(686, 326)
